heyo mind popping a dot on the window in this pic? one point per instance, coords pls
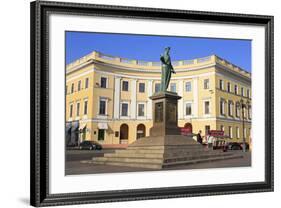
(125, 86)
(236, 89)
(124, 109)
(237, 132)
(86, 83)
(141, 87)
(72, 88)
(242, 91)
(188, 86)
(157, 87)
(221, 84)
(230, 131)
(250, 112)
(101, 134)
(102, 107)
(85, 107)
(173, 87)
(206, 83)
(70, 110)
(222, 111)
(222, 128)
(237, 110)
(141, 109)
(103, 82)
(207, 107)
(230, 106)
(79, 85)
(228, 87)
(77, 109)
(188, 109)
(248, 93)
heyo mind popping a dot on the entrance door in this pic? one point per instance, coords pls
(124, 133)
(188, 127)
(140, 131)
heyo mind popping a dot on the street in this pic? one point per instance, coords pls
(78, 155)
(77, 163)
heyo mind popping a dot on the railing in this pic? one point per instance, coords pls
(155, 63)
(188, 62)
(204, 59)
(81, 60)
(176, 63)
(231, 66)
(142, 63)
(126, 61)
(107, 57)
(131, 61)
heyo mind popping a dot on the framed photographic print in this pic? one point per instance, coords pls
(131, 103)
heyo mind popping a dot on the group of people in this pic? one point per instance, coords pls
(208, 140)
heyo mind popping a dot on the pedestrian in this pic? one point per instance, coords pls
(210, 142)
(199, 137)
(225, 146)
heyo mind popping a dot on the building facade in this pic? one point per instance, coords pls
(107, 98)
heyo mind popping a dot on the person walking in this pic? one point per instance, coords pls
(199, 137)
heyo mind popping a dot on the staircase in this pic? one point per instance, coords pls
(162, 152)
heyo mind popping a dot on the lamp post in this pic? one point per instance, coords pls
(243, 106)
(243, 125)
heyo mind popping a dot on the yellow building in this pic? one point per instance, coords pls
(107, 97)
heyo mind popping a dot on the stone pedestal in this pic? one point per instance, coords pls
(165, 114)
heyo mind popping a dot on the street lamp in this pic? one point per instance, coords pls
(243, 105)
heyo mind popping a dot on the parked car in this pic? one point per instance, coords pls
(234, 146)
(90, 145)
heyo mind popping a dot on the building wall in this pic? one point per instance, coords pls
(203, 74)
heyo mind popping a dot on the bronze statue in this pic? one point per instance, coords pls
(166, 70)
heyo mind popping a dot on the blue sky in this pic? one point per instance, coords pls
(149, 48)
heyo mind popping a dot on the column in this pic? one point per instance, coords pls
(117, 97)
(149, 102)
(180, 102)
(133, 98)
(195, 97)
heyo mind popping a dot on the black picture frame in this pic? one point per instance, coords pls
(39, 187)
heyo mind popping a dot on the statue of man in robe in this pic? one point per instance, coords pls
(166, 69)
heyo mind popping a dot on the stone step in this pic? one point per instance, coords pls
(135, 155)
(137, 165)
(140, 151)
(130, 160)
(150, 165)
(117, 158)
(129, 154)
(159, 151)
(167, 147)
(190, 162)
(193, 157)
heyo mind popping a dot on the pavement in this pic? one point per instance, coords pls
(76, 165)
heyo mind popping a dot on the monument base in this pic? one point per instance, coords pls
(165, 114)
(160, 152)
